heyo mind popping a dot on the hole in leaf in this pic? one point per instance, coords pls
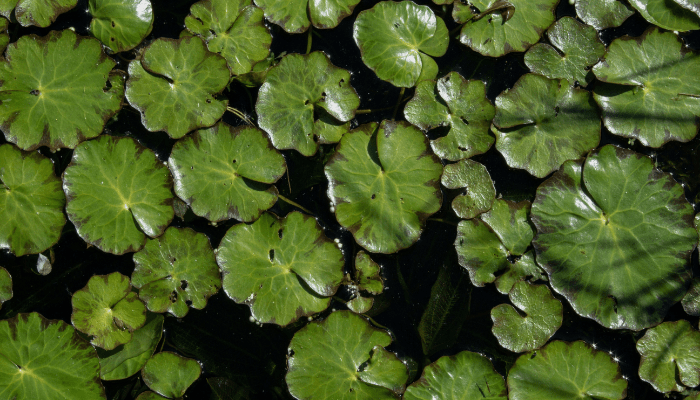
(271, 255)
(208, 101)
(556, 111)
(374, 196)
(183, 284)
(35, 92)
(533, 355)
(464, 120)
(114, 25)
(188, 302)
(173, 296)
(306, 102)
(397, 25)
(279, 233)
(234, 161)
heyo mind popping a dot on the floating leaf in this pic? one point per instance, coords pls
(543, 315)
(691, 300)
(47, 360)
(615, 235)
(367, 274)
(294, 15)
(169, 374)
(479, 192)
(500, 27)
(360, 304)
(602, 14)
(383, 183)
(341, 358)
(4, 34)
(466, 375)
(117, 192)
(176, 271)
(667, 14)
(458, 104)
(398, 39)
(692, 5)
(108, 310)
(256, 77)
(233, 29)
(36, 12)
(121, 25)
(670, 356)
(240, 167)
(524, 268)
(283, 269)
(175, 86)
(574, 49)
(659, 100)
(149, 396)
(541, 122)
(125, 361)
(31, 202)
(57, 90)
(294, 91)
(565, 371)
(5, 285)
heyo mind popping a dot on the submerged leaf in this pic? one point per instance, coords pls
(169, 374)
(121, 24)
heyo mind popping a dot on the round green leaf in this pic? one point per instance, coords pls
(176, 271)
(383, 183)
(169, 374)
(36, 12)
(117, 192)
(107, 310)
(667, 14)
(234, 29)
(125, 361)
(31, 202)
(6, 285)
(343, 357)
(524, 268)
(615, 235)
(479, 192)
(121, 25)
(574, 49)
(57, 90)
(541, 122)
(458, 104)
(658, 102)
(287, 105)
(293, 15)
(543, 315)
(500, 27)
(367, 274)
(283, 269)
(691, 300)
(360, 304)
(602, 14)
(466, 375)
(175, 85)
(224, 172)
(670, 356)
(47, 360)
(565, 371)
(397, 39)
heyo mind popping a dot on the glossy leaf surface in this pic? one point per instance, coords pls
(295, 16)
(36, 12)
(691, 300)
(125, 361)
(667, 14)
(121, 24)
(169, 374)
(5, 285)
(602, 14)
(474, 179)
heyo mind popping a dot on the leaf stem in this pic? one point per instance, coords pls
(398, 102)
(286, 200)
(308, 42)
(444, 221)
(240, 115)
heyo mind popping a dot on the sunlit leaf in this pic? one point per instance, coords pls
(667, 14)
(479, 192)
(121, 24)
(36, 12)
(295, 16)
(602, 14)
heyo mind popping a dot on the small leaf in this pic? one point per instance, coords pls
(691, 300)
(524, 268)
(5, 285)
(39, 13)
(667, 14)
(479, 192)
(293, 15)
(367, 274)
(125, 361)
(121, 24)
(360, 304)
(384, 369)
(4, 34)
(602, 14)
(169, 374)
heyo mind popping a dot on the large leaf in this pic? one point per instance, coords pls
(541, 122)
(31, 202)
(36, 12)
(176, 271)
(175, 85)
(239, 165)
(615, 235)
(383, 183)
(659, 100)
(57, 90)
(293, 15)
(169, 374)
(602, 14)
(335, 358)
(667, 14)
(234, 29)
(295, 91)
(117, 194)
(479, 192)
(565, 371)
(47, 360)
(121, 24)
(283, 269)
(397, 40)
(458, 104)
(125, 361)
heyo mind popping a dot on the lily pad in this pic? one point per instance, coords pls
(691, 300)
(574, 49)
(5, 285)
(542, 122)
(615, 235)
(108, 310)
(117, 193)
(46, 359)
(176, 271)
(57, 90)
(458, 104)
(121, 25)
(175, 85)
(343, 357)
(295, 90)
(169, 374)
(283, 269)
(295, 16)
(479, 192)
(398, 39)
(500, 27)
(39, 13)
(565, 371)
(466, 375)
(670, 356)
(31, 202)
(233, 29)
(383, 183)
(125, 361)
(240, 166)
(667, 14)
(602, 14)
(543, 315)
(655, 83)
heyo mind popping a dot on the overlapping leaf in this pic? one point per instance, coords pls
(602, 14)
(479, 192)
(121, 25)
(169, 374)
(295, 16)
(36, 12)
(366, 283)
(667, 14)
(125, 361)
